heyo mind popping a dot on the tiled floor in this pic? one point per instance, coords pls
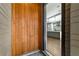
(53, 46)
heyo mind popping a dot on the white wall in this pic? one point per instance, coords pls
(74, 22)
(5, 29)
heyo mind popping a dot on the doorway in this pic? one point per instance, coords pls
(53, 28)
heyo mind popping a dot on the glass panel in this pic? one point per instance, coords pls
(53, 18)
(53, 23)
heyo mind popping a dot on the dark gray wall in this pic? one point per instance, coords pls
(67, 29)
(53, 34)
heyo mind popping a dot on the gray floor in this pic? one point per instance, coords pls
(37, 54)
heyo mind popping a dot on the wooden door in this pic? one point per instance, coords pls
(26, 28)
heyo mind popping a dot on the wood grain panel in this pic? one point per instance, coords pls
(40, 24)
(26, 28)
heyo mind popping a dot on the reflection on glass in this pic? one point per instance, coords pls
(54, 23)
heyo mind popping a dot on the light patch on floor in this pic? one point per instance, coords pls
(53, 46)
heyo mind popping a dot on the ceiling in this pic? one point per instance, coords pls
(52, 9)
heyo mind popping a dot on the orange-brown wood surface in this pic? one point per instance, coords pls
(26, 28)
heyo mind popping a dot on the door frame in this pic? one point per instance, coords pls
(62, 29)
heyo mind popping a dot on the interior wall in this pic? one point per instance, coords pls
(5, 29)
(74, 29)
(53, 35)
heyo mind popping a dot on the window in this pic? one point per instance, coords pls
(54, 23)
(50, 26)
